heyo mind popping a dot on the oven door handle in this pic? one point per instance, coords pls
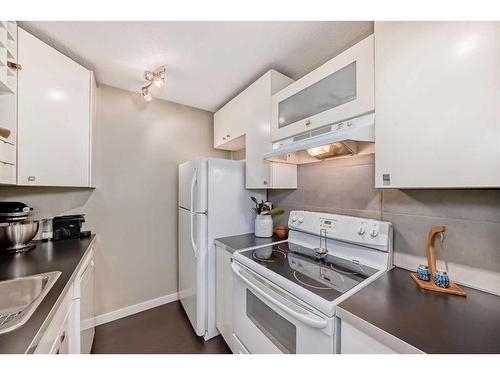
(304, 317)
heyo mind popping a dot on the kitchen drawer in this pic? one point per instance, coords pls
(7, 152)
(57, 333)
(7, 173)
(61, 344)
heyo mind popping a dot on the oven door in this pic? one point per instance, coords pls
(269, 320)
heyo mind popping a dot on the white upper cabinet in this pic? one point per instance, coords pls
(245, 123)
(229, 124)
(340, 89)
(8, 105)
(437, 104)
(54, 117)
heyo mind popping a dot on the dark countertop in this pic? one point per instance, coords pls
(432, 322)
(64, 256)
(246, 241)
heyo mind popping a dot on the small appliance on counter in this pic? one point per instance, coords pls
(68, 226)
(16, 231)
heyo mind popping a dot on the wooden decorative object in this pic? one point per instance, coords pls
(431, 259)
(4, 132)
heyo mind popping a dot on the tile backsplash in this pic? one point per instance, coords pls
(346, 186)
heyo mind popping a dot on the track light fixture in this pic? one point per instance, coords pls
(157, 78)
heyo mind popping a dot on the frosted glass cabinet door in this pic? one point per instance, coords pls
(340, 89)
(330, 92)
(53, 116)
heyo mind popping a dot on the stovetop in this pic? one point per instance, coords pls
(327, 277)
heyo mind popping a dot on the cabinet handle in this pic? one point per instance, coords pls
(308, 122)
(265, 182)
(63, 336)
(223, 138)
(14, 65)
(228, 136)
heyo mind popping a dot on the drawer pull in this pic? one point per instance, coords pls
(14, 65)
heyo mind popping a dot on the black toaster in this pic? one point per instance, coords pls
(68, 226)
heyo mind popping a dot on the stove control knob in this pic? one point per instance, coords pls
(361, 230)
(374, 231)
(301, 219)
(294, 218)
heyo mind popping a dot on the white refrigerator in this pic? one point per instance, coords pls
(213, 203)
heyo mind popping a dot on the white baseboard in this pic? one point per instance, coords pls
(134, 309)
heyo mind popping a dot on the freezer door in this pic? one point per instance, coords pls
(193, 185)
(193, 267)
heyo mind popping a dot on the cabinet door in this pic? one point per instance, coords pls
(224, 296)
(62, 342)
(230, 124)
(60, 329)
(53, 116)
(338, 90)
(437, 96)
(258, 135)
(354, 341)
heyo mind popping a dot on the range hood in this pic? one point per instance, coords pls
(339, 139)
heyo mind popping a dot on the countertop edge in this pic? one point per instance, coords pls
(386, 338)
(34, 343)
(232, 250)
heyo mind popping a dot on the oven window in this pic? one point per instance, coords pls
(280, 331)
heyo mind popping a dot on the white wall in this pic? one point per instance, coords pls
(134, 208)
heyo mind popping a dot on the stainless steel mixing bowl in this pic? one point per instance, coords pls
(17, 236)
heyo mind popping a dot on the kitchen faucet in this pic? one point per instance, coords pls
(322, 251)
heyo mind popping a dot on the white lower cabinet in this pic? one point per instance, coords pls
(71, 329)
(238, 347)
(59, 334)
(224, 297)
(358, 336)
(355, 341)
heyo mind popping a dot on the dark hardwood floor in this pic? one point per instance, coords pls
(162, 330)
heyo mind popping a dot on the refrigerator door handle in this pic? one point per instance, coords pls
(193, 183)
(192, 213)
(193, 243)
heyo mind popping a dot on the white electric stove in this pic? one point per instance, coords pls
(285, 295)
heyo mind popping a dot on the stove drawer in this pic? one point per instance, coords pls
(268, 320)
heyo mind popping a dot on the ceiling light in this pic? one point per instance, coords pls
(146, 94)
(157, 78)
(149, 76)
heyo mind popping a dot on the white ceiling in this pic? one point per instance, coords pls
(208, 63)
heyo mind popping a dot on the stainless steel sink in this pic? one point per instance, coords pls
(20, 297)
